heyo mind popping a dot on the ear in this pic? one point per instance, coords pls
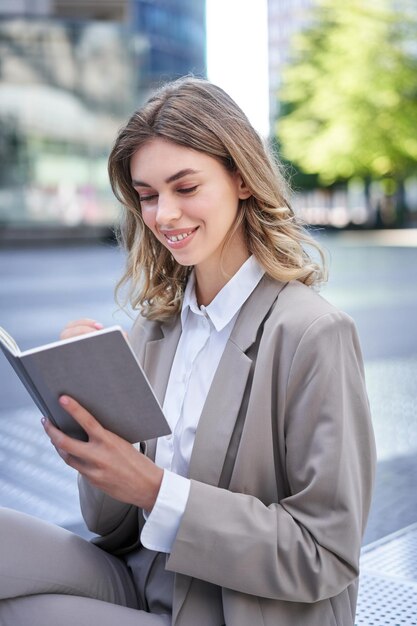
(243, 190)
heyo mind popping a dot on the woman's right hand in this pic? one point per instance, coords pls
(80, 327)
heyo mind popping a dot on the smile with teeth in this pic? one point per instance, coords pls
(179, 237)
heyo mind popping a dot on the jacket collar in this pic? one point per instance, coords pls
(230, 298)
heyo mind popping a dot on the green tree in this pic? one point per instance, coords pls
(348, 102)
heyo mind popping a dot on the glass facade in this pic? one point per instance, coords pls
(59, 114)
(67, 83)
(176, 39)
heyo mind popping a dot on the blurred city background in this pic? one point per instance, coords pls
(331, 85)
(334, 82)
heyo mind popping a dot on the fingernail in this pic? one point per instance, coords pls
(43, 420)
(64, 400)
(98, 325)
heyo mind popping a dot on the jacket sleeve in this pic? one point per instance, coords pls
(305, 547)
(102, 514)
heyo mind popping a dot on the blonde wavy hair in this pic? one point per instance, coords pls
(193, 112)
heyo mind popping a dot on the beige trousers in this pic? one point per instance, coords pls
(49, 576)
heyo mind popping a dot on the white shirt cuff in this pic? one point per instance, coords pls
(163, 521)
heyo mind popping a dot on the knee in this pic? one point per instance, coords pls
(9, 518)
(19, 530)
(12, 518)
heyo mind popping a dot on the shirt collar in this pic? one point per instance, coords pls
(229, 300)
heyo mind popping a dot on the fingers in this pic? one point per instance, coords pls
(107, 461)
(82, 416)
(57, 439)
(73, 452)
(62, 443)
(80, 327)
(68, 445)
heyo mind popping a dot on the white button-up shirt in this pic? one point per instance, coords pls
(205, 331)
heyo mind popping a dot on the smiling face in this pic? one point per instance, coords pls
(190, 202)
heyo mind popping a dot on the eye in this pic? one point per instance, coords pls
(148, 198)
(187, 189)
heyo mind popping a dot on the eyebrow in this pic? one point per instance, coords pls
(170, 179)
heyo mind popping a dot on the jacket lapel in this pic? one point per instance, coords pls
(224, 399)
(159, 355)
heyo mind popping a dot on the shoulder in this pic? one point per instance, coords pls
(306, 300)
(301, 310)
(145, 330)
(141, 329)
(305, 334)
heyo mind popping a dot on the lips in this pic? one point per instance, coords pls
(177, 236)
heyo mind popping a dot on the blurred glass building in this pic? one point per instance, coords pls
(71, 72)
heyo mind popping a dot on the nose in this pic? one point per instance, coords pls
(168, 210)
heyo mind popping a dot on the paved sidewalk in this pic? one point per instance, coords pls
(33, 478)
(388, 583)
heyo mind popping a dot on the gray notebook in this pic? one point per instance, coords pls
(101, 372)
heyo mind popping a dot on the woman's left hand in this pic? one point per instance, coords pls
(107, 461)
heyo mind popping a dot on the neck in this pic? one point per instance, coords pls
(211, 280)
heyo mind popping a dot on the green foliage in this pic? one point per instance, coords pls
(349, 96)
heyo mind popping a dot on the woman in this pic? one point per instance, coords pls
(252, 512)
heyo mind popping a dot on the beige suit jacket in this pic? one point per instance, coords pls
(281, 471)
